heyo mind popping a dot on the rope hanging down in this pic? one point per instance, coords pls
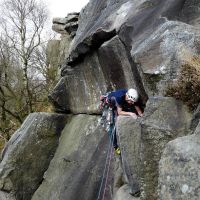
(107, 166)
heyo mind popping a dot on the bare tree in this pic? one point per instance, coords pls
(22, 57)
(48, 70)
(11, 94)
(23, 23)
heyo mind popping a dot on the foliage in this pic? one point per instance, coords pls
(25, 76)
(147, 4)
(187, 86)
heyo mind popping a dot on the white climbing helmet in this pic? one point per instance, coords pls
(132, 95)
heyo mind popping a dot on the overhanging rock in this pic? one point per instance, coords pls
(99, 21)
(102, 19)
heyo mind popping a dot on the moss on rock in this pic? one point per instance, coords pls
(147, 4)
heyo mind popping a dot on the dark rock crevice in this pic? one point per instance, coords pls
(137, 76)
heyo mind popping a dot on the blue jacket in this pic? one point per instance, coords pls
(117, 98)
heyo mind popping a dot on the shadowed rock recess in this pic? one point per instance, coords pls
(112, 44)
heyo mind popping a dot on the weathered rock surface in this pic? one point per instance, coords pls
(78, 93)
(100, 20)
(64, 48)
(179, 168)
(77, 167)
(118, 44)
(59, 97)
(165, 119)
(157, 44)
(195, 119)
(129, 140)
(191, 13)
(147, 53)
(117, 64)
(65, 25)
(80, 88)
(148, 16)
(124, 193)
(6, 196)
(162, 54)
(142, 141)
(57, 52)
(53, 54)
(28, 153)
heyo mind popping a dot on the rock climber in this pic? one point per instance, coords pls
(122, 102)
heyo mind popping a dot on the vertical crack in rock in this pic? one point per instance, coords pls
(136, 75)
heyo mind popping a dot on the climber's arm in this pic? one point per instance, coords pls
(139, 111)
(124, 113)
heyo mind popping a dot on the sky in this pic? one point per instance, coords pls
(60, 8)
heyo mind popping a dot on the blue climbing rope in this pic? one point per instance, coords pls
(107, 163)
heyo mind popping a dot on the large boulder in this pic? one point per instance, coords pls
(165, 119)
(80, 89)
(115, 64)
(179, 168)
(57, 50)
(142, 141)
(28, 153)
(77, 168)
(129, 140)
(162, 54)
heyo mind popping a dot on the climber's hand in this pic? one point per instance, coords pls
(133, 115)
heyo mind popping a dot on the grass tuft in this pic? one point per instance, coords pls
(187, 86)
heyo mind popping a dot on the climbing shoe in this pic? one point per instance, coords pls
(117, 151)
